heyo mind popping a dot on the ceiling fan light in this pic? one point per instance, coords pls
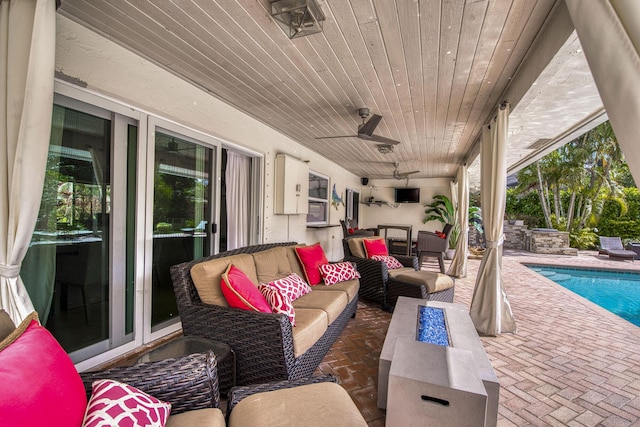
(297, 18)
(385, 148)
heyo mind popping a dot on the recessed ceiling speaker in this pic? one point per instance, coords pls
(364, 181)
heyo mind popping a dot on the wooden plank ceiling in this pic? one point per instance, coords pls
(434, 70)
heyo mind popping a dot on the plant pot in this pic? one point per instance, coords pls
(449, 253)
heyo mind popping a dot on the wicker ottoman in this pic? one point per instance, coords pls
(427, 285)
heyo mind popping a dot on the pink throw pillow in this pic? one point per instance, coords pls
(115, 404)
(293, 286)
(338, 272)
(311, 257)
(279, 301)
(38, 382)
(240, 292)
(375, 247)
(392, 262)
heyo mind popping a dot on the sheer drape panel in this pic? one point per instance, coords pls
(490, 309)
(237, 178)
(458, 267)
(27, 58)
(609, 31)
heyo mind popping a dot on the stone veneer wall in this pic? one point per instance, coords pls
(518, 236)
(515, 236)
(551, 242)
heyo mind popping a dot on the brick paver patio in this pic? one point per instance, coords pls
(570, 363)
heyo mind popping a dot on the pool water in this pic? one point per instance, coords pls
(616, 291)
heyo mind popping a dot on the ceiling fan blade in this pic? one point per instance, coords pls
(409, 173)
(370, 126)
(380, 139)
(333, 137)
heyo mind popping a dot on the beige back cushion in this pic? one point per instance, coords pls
(272, 264)
(356, 247)
(206, 276)
(6, 324)
(296, 267)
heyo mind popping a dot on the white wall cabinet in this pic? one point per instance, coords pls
(292, 185)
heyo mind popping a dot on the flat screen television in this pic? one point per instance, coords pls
(407, 195)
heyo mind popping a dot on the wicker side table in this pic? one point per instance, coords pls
(184, 346)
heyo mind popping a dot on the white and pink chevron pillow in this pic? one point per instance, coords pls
(116, 404)
(338, 272)
(392, 262)
(293, 286)
(279, 301)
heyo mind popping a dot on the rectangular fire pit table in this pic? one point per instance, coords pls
(432, 381)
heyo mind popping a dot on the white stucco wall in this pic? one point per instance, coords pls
(99, 65)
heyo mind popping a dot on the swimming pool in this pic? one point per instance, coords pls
(617, 291)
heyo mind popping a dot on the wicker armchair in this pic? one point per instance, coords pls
(262, 342)
(374, 274)
(432, 245)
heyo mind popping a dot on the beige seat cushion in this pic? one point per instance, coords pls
(311, 324)
(394, 273)
(332, 302)
(210, 417)
(350, 287)
(206, 276)
(272, 264)
(313, 405)
(435, 282)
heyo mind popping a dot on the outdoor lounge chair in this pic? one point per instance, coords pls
(612, 246)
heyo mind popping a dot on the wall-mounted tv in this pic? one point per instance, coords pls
(407, 195)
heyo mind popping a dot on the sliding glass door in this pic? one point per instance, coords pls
(182, 213)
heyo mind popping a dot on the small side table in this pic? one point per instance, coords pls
(184, 346)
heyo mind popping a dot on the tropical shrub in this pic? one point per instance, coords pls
(442, 210)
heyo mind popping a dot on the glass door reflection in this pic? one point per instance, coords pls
(181, 215)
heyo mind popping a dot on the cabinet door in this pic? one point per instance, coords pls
(292, 185)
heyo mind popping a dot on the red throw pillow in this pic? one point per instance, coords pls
(392, 262)
(441, 235)
(338, 272)
(375, 247)
(293, 286)
(115, 404)
(38, 383)
(240, 292)
(311, 257)
(279, 301)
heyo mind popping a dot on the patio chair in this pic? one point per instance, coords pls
(360, 233)
(612, 246)
(432, 245)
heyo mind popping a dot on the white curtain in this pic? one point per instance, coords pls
(609, 31)
(490, 309)
(27, 61)
(237, 176)
(458, 267)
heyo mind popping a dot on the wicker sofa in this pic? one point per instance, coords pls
(266, 346)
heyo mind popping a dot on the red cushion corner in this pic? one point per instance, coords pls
(241, 292)
(375, 247)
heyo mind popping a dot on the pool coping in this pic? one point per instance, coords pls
(579, 298)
